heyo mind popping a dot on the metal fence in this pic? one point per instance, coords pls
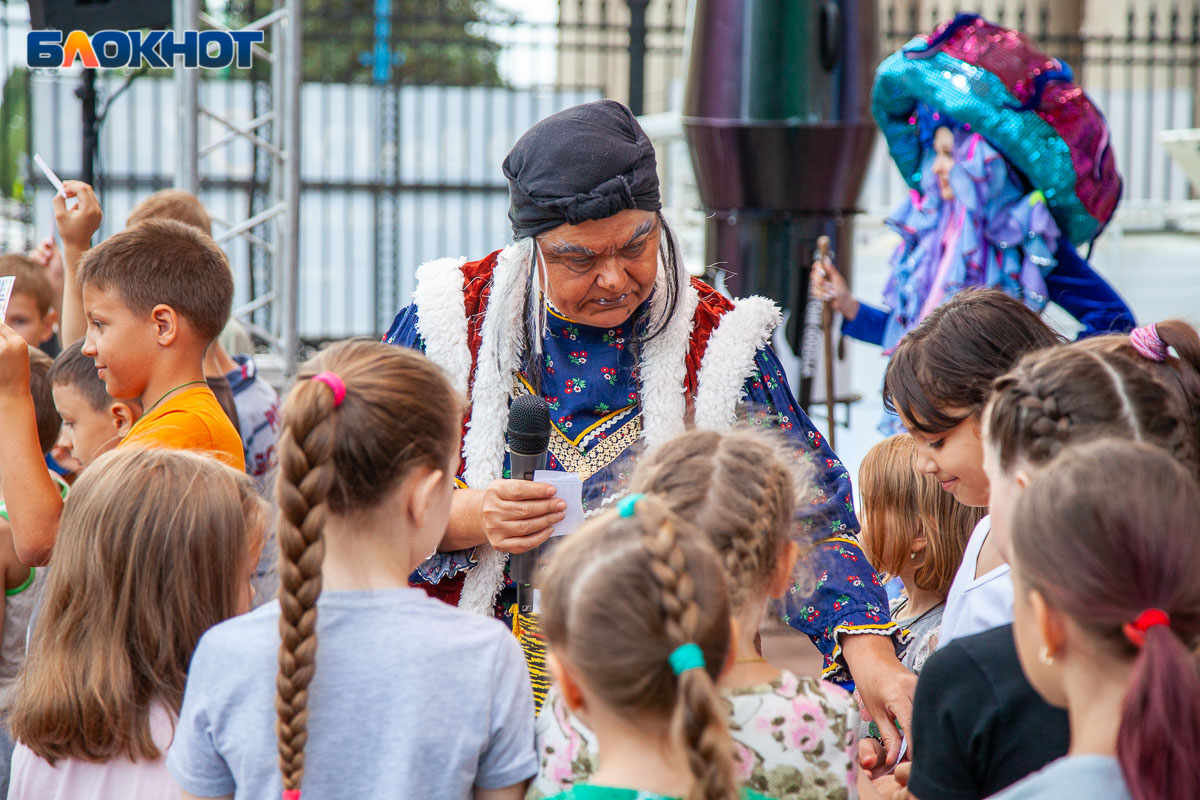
(410, 105)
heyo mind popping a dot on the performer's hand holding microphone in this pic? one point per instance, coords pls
(528, 436)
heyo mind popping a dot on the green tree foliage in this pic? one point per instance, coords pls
(14, 131)
(431, 41)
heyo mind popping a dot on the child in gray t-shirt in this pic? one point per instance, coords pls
(352, 684)
(411, 698)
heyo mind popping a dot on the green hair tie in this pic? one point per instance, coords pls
(625, 504)
(685, 657)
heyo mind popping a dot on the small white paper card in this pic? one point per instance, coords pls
(567, 486)
(6, 286)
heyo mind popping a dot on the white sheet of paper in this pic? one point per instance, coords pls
(54, 180)
(567, 486)
(6, 285)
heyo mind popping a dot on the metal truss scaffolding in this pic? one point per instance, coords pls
(272, 228)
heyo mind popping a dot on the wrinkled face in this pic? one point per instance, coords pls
(955, 458)
(23, 317)
(600, 271)
(121, 342)
(86, 432)
(943, 160)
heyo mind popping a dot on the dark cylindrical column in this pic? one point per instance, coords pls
(637, 55)
(777, 116)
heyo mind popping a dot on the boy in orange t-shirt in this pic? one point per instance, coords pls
(154, 296)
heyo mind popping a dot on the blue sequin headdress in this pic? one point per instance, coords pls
(993, 81)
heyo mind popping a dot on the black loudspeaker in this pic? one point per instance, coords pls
(90, 16)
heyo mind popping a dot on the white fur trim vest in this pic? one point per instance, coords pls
(727, 362)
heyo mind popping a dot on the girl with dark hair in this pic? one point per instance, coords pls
(1115, 644)
(938, 382)
(282, 698)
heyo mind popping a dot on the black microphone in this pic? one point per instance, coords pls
(528, 438)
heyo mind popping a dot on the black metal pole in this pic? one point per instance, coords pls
(637, 55)
(87, 97)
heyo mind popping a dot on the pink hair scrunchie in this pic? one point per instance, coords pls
(1146, 341)
(335, 383)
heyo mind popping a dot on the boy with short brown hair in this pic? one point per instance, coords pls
(31, 307)
(155, 296)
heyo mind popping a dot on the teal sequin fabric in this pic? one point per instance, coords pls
(993, 81)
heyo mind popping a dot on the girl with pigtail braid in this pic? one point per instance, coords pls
(1105, 551)
(331, 691)
(741, 489)
(637, 624)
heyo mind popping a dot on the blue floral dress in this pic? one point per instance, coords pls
(589, 377)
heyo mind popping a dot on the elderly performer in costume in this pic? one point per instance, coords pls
(591, 308)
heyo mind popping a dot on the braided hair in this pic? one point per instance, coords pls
(1078, 393)
(338, 455)
(635, 587)
(740, 488)
(1179, 369)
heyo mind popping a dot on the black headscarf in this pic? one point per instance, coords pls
(589, 161)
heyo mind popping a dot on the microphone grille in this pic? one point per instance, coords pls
(529, 415)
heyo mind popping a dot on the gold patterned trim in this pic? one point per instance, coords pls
(604, 452)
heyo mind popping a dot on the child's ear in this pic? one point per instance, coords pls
(166, 324)
(122, 417)
(781, 578)
(1022, 478)
(572, 695)
(420, 502)
(1051, 625)
(48, 322)
(919, 542)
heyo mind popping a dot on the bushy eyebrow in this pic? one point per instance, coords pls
(575, 249)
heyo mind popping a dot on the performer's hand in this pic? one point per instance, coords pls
(828, 284)
(886, 687)
(517, 516)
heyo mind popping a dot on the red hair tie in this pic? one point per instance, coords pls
(294, 794)
(335, 383)
(1135, 631)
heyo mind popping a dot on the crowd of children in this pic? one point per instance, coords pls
(145, 652)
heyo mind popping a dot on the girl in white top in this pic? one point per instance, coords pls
(154, 547)
(790, 733)
(938, 381)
